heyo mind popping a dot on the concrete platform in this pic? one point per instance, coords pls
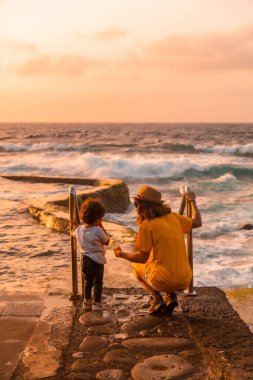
(18, 317)
(205, 331)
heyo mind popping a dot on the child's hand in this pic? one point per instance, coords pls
(73, 225)
(117, 250)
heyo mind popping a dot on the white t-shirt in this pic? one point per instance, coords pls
(91, 242)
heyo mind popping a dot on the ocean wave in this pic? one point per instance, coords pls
(168, 147)
(128, 147)
(49, 147)
(45, 254)
(236, 149)
(38, 147)
(100, 147)
(224, 182)
(217, 230)
(226, 178)
(160, 167)
(137, 166)
(222, 172)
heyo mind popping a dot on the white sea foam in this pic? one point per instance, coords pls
(226, 150)
(136, 166)
(37, 147)
(228, 177)
(223, 277)
(218, 229)
(235, 149)
(11, 147)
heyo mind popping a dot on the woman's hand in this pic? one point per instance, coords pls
(191, 196)
(196, 219)
(117, 250)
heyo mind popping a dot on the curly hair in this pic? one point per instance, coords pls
(91, 210)
(147, 210)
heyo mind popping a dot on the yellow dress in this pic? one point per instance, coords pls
(167, 268)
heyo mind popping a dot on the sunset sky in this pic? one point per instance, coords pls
(126, 60)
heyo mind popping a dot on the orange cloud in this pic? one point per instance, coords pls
(11, 45)
(44, 64)
(195, 52)
(212, 51)
(110, 34)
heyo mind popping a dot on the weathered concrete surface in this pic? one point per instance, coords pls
(220, 343)
(40, 341)
(216, 344)
(225, 341)
(18, 318)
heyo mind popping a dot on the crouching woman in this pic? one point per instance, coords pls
(160, 263)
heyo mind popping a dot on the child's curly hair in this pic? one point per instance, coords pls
(91, 210)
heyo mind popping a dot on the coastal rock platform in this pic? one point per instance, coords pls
(204, 340)
(52, 210)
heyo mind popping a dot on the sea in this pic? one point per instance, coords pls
(215, 160)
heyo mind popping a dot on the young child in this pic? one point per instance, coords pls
(92, 238)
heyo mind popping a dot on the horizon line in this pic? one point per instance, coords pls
(127, 122)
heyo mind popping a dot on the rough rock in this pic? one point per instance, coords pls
(77, 355)
(110, 374)
(246, 226)
(116, 346)
(101, 329)
(78, 376)
(94, 319)
(123, 320)
(141, 324)
(120, 336)
(162, 367)
(81, 365)
(120, 296)
(92, 343)
(188, 353)
(122, 312)
(119, 356)
(163, 343)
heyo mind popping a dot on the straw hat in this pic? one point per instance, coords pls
(149, 194)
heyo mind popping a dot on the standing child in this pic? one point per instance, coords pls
(92, 238)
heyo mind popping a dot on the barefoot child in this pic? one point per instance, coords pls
(92, 238)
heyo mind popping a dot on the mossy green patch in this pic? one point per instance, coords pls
(240, 293)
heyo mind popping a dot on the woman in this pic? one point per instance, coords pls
(160, 262)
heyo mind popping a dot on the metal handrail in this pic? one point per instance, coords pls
(74, 217)
(186, 204)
